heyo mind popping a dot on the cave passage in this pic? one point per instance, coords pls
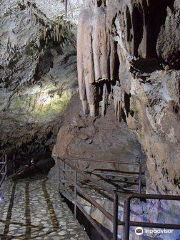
(89, 119)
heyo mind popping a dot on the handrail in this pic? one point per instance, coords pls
(127, 212)
(89, 198)
(105, 188)
(136, 164)
(127, 223)
(77, 189)
(98, 160)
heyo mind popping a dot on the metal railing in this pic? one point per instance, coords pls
(3, 170)
(127, 212)
(105, 174)
(69, 175)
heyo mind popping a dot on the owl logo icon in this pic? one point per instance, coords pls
(139, 231)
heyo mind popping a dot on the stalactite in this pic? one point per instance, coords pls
(38, 20)
(29, 8)
(57, 33)
(59, 37)
(38, 43)
(97, 60)
(118, 100)
(52, 36)
(104, 100)
(54, 33)
(44, 33)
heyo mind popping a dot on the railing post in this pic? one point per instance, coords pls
(126, 219)
(115, 216)
(59, 175)
(63, 170)
(140, 178)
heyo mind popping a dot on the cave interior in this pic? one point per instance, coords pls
(89, 119)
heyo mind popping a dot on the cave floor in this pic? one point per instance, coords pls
(33, 209)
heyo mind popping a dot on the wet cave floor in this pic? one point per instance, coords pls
(32, 208)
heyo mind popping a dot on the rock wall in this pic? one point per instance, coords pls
(38, 75)
(128, 55)
(128, 69)
(54, 8)
(96, 138)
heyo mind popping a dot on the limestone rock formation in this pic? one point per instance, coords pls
(129, 56)
(38, 75)
(139, 42)
(96, 138)
(168, 44)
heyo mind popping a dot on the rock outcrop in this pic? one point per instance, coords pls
(131, 58)
(128, 65)
(38, 76)
(96, 138)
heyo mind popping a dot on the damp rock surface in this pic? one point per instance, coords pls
(96, 138)
(38, 75)
(137, 48)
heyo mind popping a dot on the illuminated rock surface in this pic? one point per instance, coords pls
(37, 75)
(129, 79)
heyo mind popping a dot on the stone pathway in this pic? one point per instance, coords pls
(33, 209)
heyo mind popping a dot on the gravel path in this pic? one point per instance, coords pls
(33, 209)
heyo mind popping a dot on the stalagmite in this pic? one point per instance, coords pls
(57, 33)
(54, 33)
